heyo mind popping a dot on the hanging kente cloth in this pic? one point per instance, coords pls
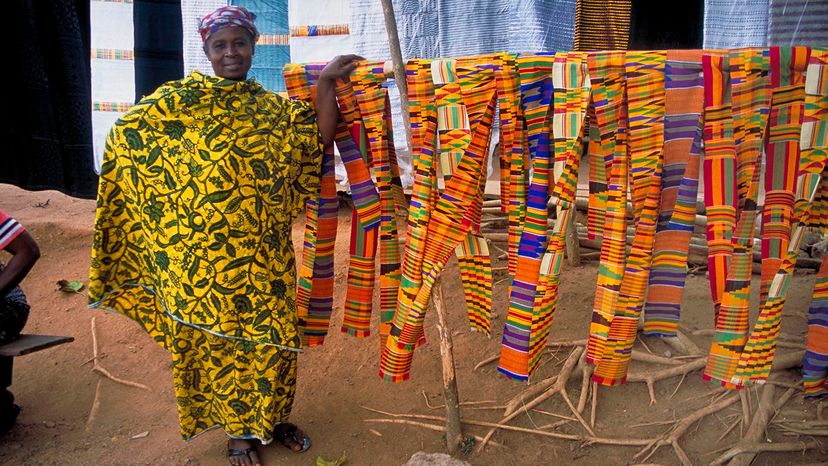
(609, 99)
(602, 24)
(562, 78)
(755, 361)
(316, 275)
(514, 177)
(423, 119)
(450, 220)
(598, 188)
(750, 95)
(683, 103)
(372, 98)
(787, 74)
(815, 364)
(645, 107)
(315, 280)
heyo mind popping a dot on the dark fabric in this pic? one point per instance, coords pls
(14, 312)
(159, 44)
(655, 26)
(46, 115)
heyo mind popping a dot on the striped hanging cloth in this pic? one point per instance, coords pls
(563, 79)
(787, 75)
(315, 281)
(449, 223)
(513, 175)
(609, 99)
(602, 24)
(423, 118)
(598, 187)
(750, 107)
(537, 92)
(815, 364)
(374, 106)
(366, 219)
(683, 105)
(755, 361)
(645, 106)
(570, 77)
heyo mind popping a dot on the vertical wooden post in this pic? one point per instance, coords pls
(573, 248)
(399, 65)
(454, 434)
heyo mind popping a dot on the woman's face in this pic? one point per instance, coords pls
(230, 51)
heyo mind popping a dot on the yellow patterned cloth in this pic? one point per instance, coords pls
(200, 184)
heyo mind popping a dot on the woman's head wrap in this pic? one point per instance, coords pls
(227, 16)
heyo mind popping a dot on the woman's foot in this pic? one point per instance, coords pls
(292, 437)
(242, 452)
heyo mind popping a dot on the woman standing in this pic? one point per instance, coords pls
(200, 184)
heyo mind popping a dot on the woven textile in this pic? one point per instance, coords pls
(449, 221)
(597, 203)
(735, 23)
(609, 98)
(750, 94)
(755, 362)
(271, 55)
(798, 22)
(475, 265)
(684, 101)
(602, 24)
(514, 178)
(315, 280)
(372, 99)
(787, 74)
(815, 364)
(645, 107)
(562, 78)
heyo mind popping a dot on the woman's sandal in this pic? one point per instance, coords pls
(290, 433)
(235, 452)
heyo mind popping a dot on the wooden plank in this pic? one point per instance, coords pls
(30, 343)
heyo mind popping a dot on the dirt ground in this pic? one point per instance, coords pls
(56, 387)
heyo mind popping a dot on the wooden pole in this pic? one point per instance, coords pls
(399, 65)
(573, 248)
(454, 434)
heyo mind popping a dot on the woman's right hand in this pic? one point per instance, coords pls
(340, 67)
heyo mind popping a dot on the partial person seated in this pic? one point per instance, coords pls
(14, 310)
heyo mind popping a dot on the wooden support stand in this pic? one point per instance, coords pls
(454, 433)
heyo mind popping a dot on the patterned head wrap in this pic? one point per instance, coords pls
(227, 16)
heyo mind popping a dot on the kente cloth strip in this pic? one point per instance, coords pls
(423, 119)
(315, 280)
(454, 132)
(564, 80)
(474, 261)
(514, 177)
(570, 78)
(199, 187)
(316, 270)
(645, 107)
(372, 98)
(787, 74)
(597, 178)
(609, 99)
(750, 96)
(683, 104)
(755, 362)
(366, 219)
(449, 224)
(602, 24)
(815, 364)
